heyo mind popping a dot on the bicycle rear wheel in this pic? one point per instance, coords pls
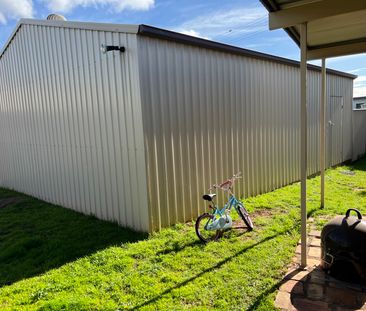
(243, 213)
(203, 234)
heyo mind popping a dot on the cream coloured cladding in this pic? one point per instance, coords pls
(70, 122)
(138, 137)
(208, 114)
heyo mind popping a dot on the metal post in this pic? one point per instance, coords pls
(303, 150)
(323, 104)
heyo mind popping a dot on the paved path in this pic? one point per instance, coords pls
(313, 289)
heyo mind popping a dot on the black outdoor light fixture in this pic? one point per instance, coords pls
(106, 48)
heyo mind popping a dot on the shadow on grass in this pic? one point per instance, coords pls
(212, 268)
(177, 247)
(268, 291)
(359, 165)
(36, 236)
(362, 193)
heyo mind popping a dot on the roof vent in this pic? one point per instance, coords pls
(56, 17)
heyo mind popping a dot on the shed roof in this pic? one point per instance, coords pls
(155, 32)
(334, 27)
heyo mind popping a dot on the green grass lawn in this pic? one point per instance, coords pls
(56, 259)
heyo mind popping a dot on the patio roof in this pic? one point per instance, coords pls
(322, 29)
(334, 27)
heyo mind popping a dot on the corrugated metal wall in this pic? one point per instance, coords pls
(70, 122)
(339, 114)
(359, 133)
(209, 114)
(76, 125)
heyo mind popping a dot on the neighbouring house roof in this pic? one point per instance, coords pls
(150, 31)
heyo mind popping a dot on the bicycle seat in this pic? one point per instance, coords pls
(209, 197)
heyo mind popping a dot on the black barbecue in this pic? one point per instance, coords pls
(343, 244)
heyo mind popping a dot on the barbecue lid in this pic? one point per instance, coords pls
(347, 232)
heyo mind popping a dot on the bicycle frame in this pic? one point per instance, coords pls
(232, 202)
(210, 226)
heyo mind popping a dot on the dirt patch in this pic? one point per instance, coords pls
(239, 224)
(261, 213)
(9, 201)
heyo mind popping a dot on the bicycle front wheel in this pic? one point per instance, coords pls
(201, 231)
(243, 213)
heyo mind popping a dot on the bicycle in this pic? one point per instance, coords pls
(210, 226)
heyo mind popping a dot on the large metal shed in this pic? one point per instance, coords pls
(137, 137)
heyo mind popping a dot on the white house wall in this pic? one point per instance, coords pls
(208, 114)
(359, 133)
(70, 122)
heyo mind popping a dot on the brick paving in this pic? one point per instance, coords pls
(312, 289)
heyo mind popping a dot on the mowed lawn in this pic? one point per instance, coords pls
(56, 259)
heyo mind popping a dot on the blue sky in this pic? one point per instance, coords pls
(238, 22)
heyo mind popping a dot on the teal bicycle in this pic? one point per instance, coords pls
(210, 226)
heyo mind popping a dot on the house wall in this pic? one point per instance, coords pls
(209, 114)
(70, 121)
(359, 134)
(361, 101)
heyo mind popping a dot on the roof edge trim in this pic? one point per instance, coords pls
(291, 31)
(12, 35)
(155, 32)
(132, 29)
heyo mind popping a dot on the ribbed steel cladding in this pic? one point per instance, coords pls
(208, 114)
(139, 138)
(71, 130)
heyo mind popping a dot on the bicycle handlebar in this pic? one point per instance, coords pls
(227, 184)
